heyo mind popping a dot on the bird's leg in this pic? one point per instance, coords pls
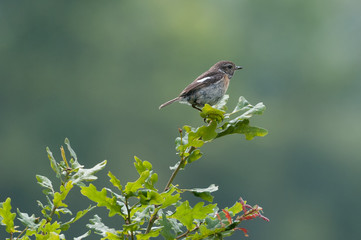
(194, 106)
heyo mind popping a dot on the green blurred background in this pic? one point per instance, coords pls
(96, 72)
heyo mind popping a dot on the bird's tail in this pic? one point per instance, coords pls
(169, 102)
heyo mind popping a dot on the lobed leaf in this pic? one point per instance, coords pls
(59, 197)
(206, 233)
(46, 183)
(87, 234)
(54, 165)
(242, 127)
(204, 193)
(100, 197)
(258, 109)
(242, 105)
(194, 156)
(100, 228)
(170, 199)
(74, 162)
(7, 216)
(141, 213)
(221, 105)
(186, 215)
(212, 114)
(170, 228)
(152, 233)
(207, 133)
(78, 215)
(87, 174)
(49, 228)
(31, 222)
(150, 197)
(142, 166)
(235, 209)
(115, 181)
(131, 187)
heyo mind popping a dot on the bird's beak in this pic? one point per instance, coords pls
(238, 67)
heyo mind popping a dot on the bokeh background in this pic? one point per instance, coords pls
(96, 72)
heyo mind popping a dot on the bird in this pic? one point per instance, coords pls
(208, 88)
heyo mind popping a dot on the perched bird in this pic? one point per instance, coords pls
(208, 88)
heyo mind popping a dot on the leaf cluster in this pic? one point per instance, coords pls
(140, 209)
(69, 173)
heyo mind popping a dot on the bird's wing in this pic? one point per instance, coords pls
(202, 81)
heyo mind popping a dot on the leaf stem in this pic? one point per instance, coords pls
(152, 220)
(128, 218)
(174, 174)
(51, 214)
(22, 232)
(187, 232)
(180, 165)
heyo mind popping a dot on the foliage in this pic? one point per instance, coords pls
(141, 210)
(69, 173)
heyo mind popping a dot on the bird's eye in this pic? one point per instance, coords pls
(229, 66)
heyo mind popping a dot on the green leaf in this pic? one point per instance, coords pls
(169, 228)
(152, 233)
(100, 197)
(54, 165)
(111, 236)
(195, 155)
(242, 127)
(201, 212)
(206, 233)
(45, 208)
(87, 174)
(207, 133)
(221, 105)
(78, 215)
(132, 187)
(99, 227)
(204, 193)
(142, 166)
(212, 223)
(49, 236)
(235, 209)
(63, 211)
(74, 161)
(46, 183)
(141, 213)
(115, 181)
(170, 199)
(28, 221)
(87, 234)
(258, 109)
(212, 114)
(150, 197)
(7, 216)
(51, 228)
(242, 105)
(59, 197)
(185, 214)
(153, 179)
(130, 227)
(193, 140)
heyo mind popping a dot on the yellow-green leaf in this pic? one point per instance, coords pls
(7, 216)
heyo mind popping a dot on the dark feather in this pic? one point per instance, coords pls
(194, 86)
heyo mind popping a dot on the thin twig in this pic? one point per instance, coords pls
(22, 232)
(187, 232)
(128, 218)
(174, 174)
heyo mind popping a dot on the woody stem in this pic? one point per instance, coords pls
(174, 174)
